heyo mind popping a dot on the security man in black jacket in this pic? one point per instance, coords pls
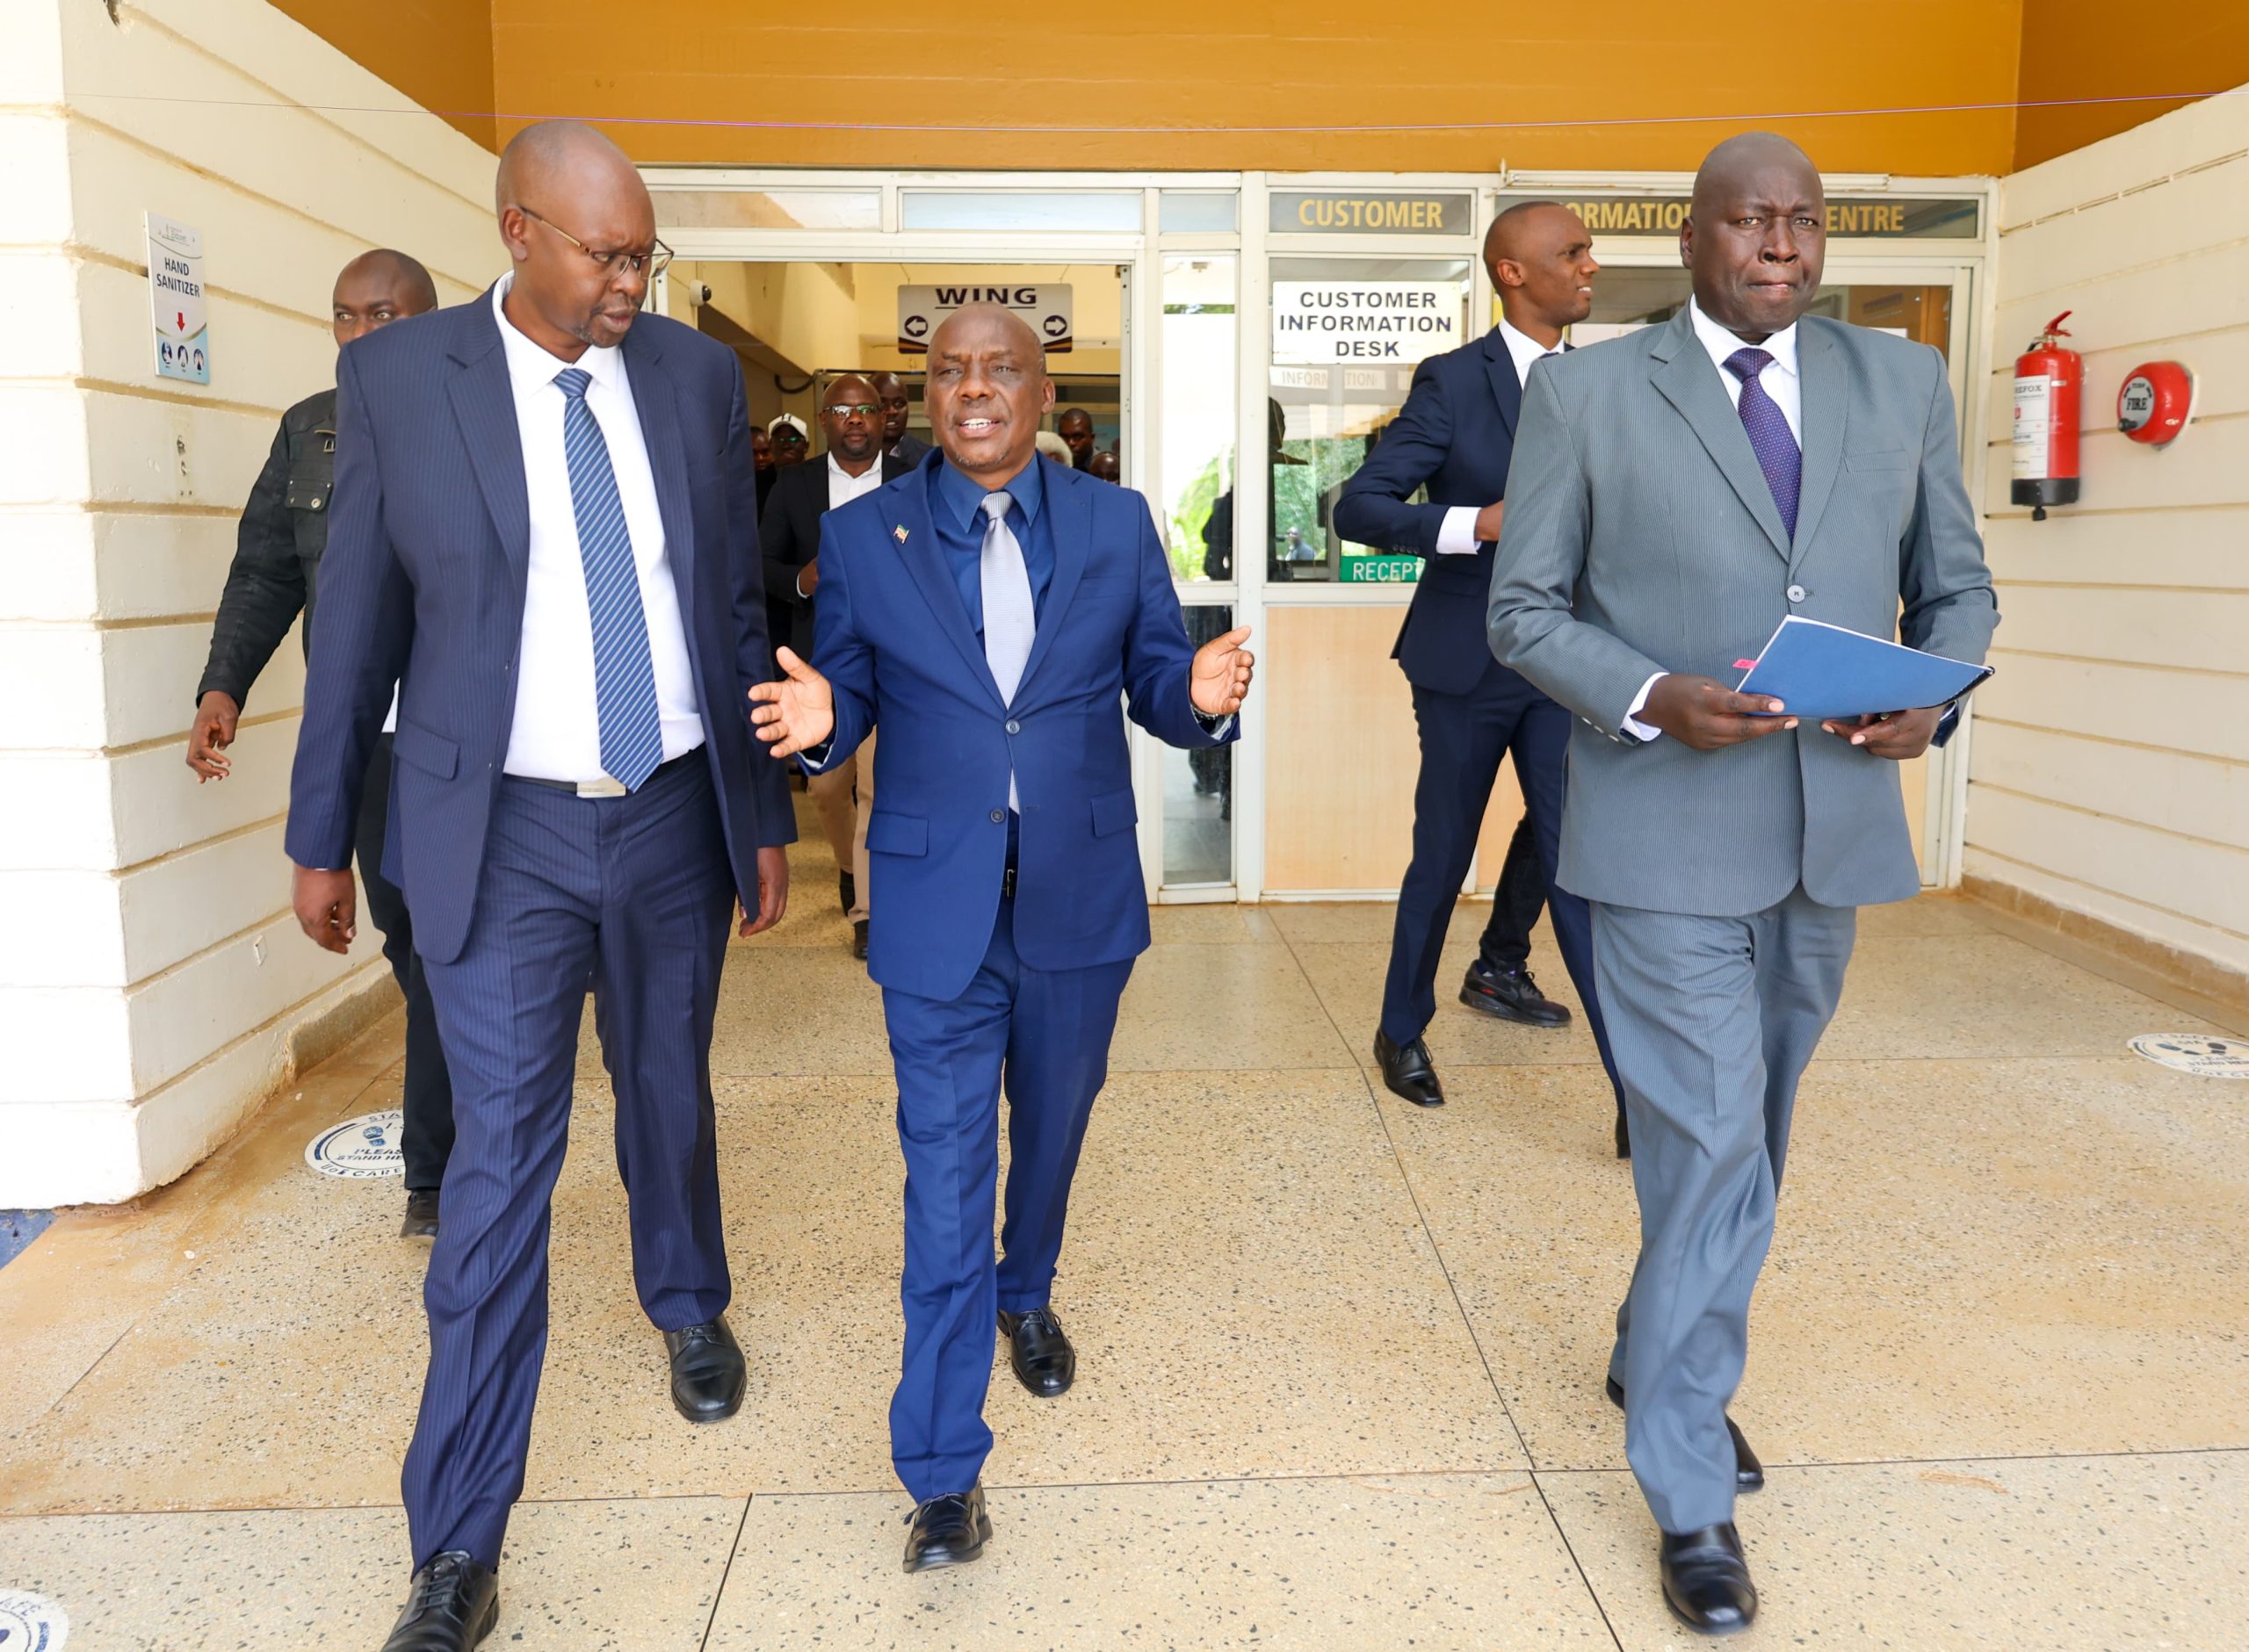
(275, 577)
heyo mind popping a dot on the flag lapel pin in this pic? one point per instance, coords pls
(899, 533)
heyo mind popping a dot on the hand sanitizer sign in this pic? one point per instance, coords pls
(176, 303)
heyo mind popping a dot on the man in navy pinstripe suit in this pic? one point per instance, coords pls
(545, 532)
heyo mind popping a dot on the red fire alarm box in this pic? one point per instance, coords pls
(2155, 402)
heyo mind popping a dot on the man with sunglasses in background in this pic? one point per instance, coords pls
(543, 532)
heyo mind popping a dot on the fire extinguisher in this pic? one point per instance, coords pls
(2048, 379)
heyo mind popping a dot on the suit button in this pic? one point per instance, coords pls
(1014, 727)
(1796, 593)
(998, 815)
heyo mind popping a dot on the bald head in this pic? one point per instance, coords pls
(983, 318)
(1540, 255)
(548, 155)
(1744, 159)
(1756, 235)
(578, 222)
(377, 288)
(987, 392)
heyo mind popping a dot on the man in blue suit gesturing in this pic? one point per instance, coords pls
(543, 532)
(989, 609)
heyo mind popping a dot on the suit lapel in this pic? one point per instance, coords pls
(1826, 377)
(1686, 377)
(907, 506)
(655, 398)
(484, 403)
(1506, 389)
(1069, 525)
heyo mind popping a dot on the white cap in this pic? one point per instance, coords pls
(790, 419)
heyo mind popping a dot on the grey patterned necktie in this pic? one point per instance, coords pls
(1011, 622)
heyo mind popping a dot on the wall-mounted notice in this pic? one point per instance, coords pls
(1047, 307)
(175, 306)
(1323, 321)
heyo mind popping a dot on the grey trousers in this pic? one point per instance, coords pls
(1713, 1022)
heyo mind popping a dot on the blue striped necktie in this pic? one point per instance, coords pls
(624, 672)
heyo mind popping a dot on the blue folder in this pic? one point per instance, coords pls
(1818, 670)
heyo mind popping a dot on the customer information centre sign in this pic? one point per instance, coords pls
(1368, 213)
(1891, 218)
(1319, 322)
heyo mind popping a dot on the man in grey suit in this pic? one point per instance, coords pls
(1675, 494)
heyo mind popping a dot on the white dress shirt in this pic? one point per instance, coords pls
(1781, 381)
(557, 730)
(842, 488)
(1457, 534)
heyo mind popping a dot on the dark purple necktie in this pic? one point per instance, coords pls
(1769, 435)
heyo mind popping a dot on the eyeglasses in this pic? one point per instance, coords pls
(845, 409)
(651, 263)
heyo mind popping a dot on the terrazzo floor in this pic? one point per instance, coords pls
(1341, 1359)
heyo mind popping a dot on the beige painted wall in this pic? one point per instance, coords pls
(2110, 768)
(152, 979)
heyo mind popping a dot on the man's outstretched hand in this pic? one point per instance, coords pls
(796, 713)
(1218, 682)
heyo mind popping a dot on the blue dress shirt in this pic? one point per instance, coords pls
(957, 512)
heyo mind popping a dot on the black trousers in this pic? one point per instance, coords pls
(1516, 903)
(1464, 738)
(429, 1134)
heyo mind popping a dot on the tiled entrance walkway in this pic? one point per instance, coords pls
(1340, 1359)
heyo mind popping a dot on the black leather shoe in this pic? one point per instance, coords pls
(421, 1214)
(1706, 1581)
(1511, 995)
(1407, 1070)
(1748, 1473)
(847, 889)
(1044, 1360)
(948, 1530)
(860, 938)
(1624, 1136)
(708, 1374)
(455, 1604)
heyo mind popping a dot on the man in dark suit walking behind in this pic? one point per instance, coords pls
(851, 421)
(1454, 436)
(275, 577)
(992, 612)
(544, 535)
(1677, 494)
